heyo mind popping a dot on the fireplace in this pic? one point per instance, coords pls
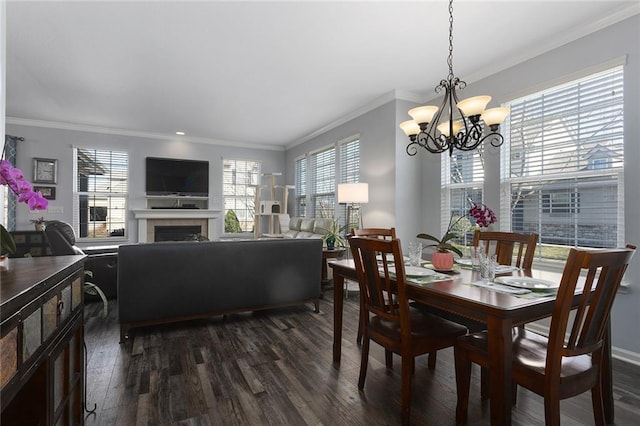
(176, 233)
(149, 219)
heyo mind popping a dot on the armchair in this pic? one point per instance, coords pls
(62, 240)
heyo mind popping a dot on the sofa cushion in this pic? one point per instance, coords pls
(322, 225)
(306, 225)
(294, 223)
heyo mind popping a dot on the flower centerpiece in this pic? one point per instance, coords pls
(442, 258)
(13, 178)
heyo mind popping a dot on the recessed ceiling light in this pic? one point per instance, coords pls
(180, 133)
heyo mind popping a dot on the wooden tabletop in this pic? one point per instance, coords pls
(20, 278)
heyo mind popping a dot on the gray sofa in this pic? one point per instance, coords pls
(173, 281)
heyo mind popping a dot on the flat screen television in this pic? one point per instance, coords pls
(167, 176)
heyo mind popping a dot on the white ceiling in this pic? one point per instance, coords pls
(262, 73)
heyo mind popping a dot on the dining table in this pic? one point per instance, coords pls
(462, 291)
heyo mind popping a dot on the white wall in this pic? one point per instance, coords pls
(57, 143)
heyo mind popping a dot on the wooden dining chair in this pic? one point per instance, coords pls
(389, 320)
(556, 367)
(504, 244)
(507, 246)
(383, 233)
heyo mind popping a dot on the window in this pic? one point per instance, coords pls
(463, 178)
(349, 173)
(101, 187)
(563, 165)
(323, 183)
(315, 176)
(240, 180)
(301, 186)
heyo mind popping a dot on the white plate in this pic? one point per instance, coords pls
(414, 271)
(528, 283)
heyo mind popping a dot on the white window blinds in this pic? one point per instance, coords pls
(463, 178)
(350, 162)
(323, 183)
(301, 186)
(562, 167)
(349, 173)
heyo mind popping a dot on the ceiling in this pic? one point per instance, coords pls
(262, 73)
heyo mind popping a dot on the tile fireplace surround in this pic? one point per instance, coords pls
(148, 219)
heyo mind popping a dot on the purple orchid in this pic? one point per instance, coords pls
(14, 179)
(483, 215)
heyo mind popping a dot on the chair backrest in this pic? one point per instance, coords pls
(378, 277)
(503, 244)
(61, 237)
(384, 233)
(604, 271)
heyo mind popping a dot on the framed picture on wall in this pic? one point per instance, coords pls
(48, 192)
(45, 170)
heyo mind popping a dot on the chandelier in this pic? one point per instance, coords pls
(464, 129)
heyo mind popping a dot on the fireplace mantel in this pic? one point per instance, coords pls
(148, 218)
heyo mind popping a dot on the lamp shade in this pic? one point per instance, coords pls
(353, 192)
(410, 127)
(423, 114)
(473, 106)
(495, 115)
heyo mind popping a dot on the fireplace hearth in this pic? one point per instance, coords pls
(176, 233)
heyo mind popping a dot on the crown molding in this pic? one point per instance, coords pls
(135, 133)
(377, 102)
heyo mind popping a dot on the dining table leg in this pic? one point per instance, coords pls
(500, 359)
(338, 303)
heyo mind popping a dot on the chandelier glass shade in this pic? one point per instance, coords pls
(455, 124)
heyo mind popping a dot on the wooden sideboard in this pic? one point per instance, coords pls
(30, 243)
(41, 346)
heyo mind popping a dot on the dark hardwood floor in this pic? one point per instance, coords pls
(275, 368)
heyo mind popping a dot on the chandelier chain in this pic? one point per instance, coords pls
(450, 58)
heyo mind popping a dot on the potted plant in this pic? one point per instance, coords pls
(442, 258)
(333, 237)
